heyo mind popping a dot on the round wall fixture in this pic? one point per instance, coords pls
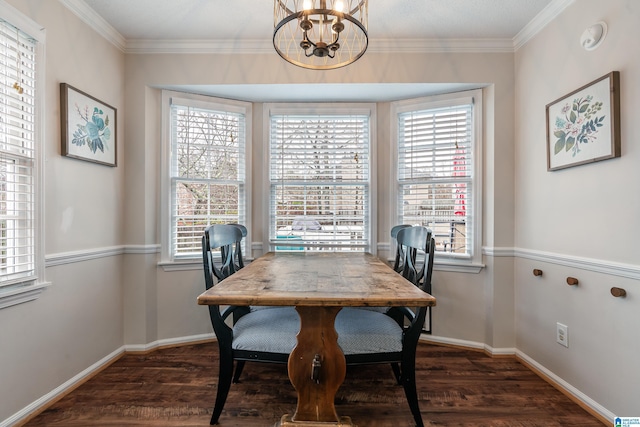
(593, 36)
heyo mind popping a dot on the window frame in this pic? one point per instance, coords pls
(31, 287)
(168, 260)
(368, 109)
(472, 263)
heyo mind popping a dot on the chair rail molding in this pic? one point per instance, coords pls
(589, 264)
(612, 268)
(62, 258)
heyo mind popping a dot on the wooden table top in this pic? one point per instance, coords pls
(317, 279)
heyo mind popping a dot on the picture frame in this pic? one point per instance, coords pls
(584, 125)
(89, 127)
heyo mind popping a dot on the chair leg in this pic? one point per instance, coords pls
(224, 384)
(396, 372)
(238, 372)
(428, 331)
(411, 392)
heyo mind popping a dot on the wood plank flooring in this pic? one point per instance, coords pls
(176, 387)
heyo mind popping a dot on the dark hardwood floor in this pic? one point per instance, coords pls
(176, 387)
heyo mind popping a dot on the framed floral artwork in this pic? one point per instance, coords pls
(584, 125)
(88, 127)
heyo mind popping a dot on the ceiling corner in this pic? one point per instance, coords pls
(96, 22)
(546, 15)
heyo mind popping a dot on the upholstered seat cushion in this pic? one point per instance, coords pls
(359, 331)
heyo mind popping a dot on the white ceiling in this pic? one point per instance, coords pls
(253, 19)
(145, 26)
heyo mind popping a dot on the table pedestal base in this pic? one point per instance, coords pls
(286, 421)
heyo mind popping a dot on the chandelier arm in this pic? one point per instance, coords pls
(335, 42)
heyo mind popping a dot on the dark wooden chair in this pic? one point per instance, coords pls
(269, 334)
(397, 266)
(413, 242)
(238, 248)
(224, 239)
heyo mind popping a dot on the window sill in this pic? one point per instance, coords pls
(458, 267)
(182, 265)
(19, 295)
(189, 264)
(196, 264)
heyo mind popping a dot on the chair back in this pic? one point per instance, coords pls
(417, 245)
(224, 238)
(397, 264)
(238, 247)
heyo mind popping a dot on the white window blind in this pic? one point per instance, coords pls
(17, 156)
(208, 173)
(435, 174)
(319, 179)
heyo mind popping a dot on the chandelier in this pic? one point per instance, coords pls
(320, 34)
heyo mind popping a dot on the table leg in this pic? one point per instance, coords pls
(317, 368)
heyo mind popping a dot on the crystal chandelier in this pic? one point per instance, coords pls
(320, 34)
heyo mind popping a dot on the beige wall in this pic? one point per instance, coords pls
(582, 221)
(469, 307)
(575, 222)
(78, 320)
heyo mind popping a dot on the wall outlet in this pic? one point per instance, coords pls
(562, 334)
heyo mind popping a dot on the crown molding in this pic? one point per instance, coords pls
(253, 47)
(250, 47)
(546, 15)
(96, 22)
(265, 46)
(440, 46)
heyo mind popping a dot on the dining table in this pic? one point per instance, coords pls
(318, 284)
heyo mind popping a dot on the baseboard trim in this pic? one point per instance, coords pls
(585, 402)
(31, 411)
(35, 408)
(454, 342)
(469, 345)
(581, 399)
(169, 342)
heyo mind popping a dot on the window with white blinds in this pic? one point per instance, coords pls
(208, 171)
(319, 182)
(17, 156)
(435, 173)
